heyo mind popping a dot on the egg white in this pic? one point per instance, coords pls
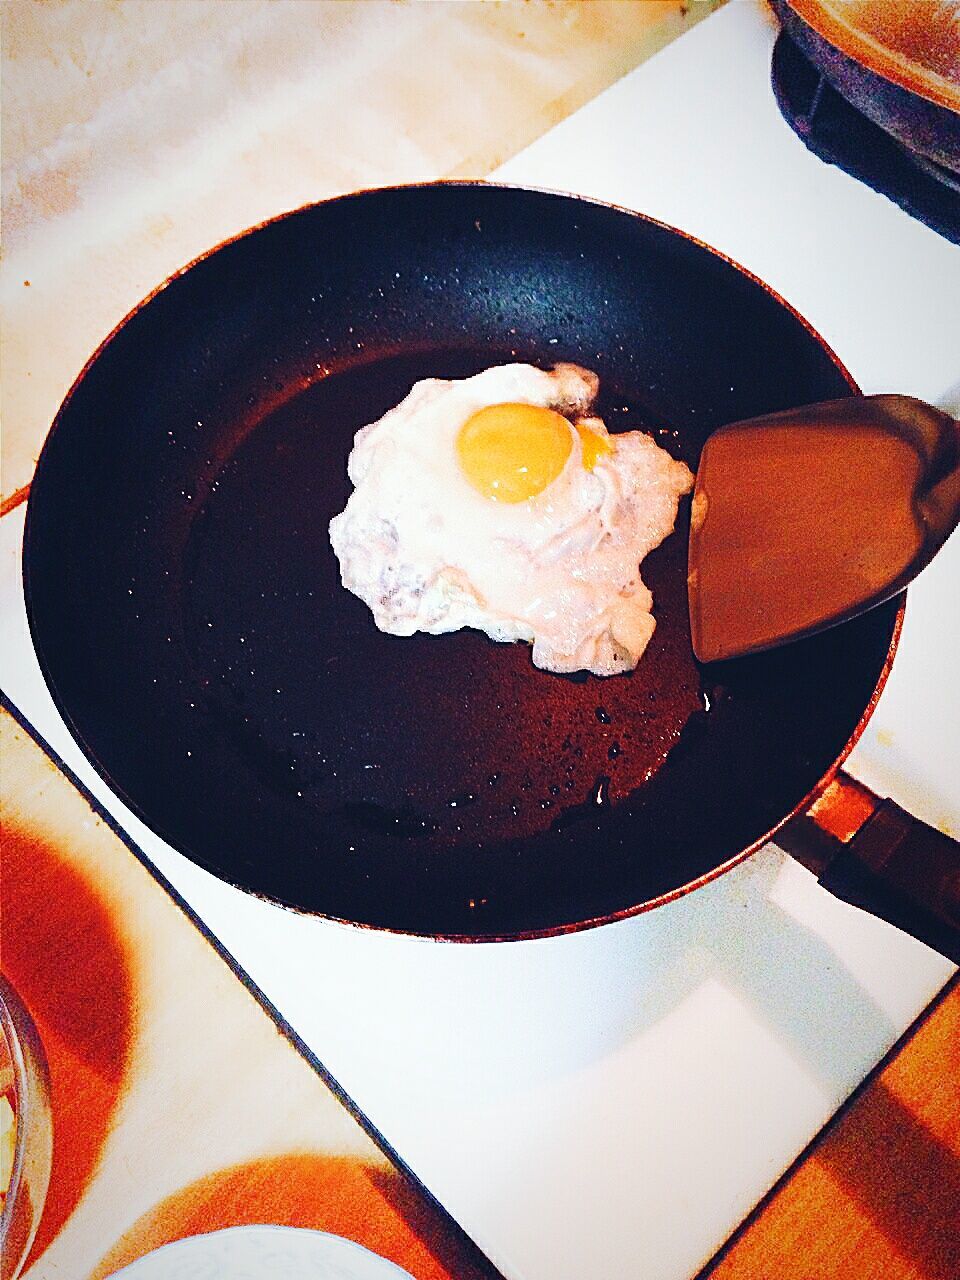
(427, 552)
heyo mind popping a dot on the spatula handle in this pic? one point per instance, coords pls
(896, 867)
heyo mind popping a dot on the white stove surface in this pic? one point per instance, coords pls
(613, 1103)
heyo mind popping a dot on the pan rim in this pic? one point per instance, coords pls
(888, 64)
(546, 931)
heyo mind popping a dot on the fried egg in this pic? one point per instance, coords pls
(498, 502)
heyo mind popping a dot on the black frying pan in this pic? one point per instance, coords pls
(186, 607)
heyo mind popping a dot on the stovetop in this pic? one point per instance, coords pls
(613, 1103)
(839, 134)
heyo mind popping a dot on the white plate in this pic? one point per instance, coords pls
(262, 1253)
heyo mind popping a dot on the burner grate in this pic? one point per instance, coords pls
(839, 134)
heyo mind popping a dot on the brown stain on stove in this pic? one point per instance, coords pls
(50, 193)
(14, 500)
(63, 953)
(341, 1194)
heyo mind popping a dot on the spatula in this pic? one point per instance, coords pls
(806, 518)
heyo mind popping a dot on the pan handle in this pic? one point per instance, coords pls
(875, 855)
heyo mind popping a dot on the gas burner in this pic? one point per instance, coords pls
(839, 134)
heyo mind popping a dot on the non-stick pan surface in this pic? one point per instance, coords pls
(187, 611)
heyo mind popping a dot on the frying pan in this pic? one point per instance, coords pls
(186, 607)
(898, 64)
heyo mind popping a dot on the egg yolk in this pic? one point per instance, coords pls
(511, 452)
(593, 446)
